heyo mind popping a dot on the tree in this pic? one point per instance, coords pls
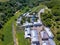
(58, 37)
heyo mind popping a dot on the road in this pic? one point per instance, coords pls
(14, 35)
(40, 28)
(39, 13)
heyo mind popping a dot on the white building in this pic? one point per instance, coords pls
(37, 23)
(51, 42)
(27, 24)
(45, 42)
(18, 20)
(50, 34)
(26, 35)
(44, 35)
(27, 32)
(34, 36)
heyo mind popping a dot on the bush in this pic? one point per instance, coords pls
(58, 37)
(58, 32)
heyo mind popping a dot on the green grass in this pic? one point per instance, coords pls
(4, 0)
(7, 31)
(37, 9)
(20, 35)
(21, 39)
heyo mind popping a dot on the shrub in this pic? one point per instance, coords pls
(58, 37)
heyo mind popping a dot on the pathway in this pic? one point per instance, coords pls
(14, 35)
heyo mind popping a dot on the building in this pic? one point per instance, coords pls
(27, 32)
(34, 36)
(50, 34)
(24, 14)
(37, 24)
(35, 43)
(51, 42)
(39, 21)
(26, 35)
(27, 24)
(27, 29)
(44, 35)
(19, 21)
(45, 42)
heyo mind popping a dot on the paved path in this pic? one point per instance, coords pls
(40, 28)
(39, 13)
(14, 35)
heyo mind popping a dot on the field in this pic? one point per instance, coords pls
(3, 0)
(37, 9)
(21, 39)
(7, 31)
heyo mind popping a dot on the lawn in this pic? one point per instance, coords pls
(21, 39)
(37, 9)
(7, 31)
(4, 0)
